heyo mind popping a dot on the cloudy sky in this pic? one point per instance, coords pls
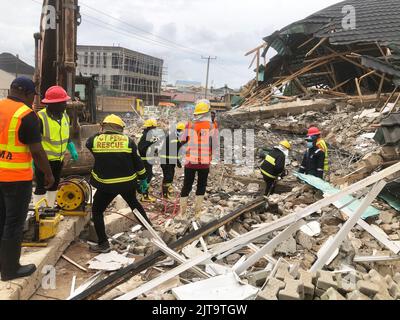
(178, 31)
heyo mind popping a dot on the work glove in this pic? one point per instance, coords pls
(72, 151)
(144, 186)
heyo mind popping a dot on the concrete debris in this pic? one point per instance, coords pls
(112, 261)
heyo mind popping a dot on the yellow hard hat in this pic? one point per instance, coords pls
(202, 107)
(150, 123)
(113, 119)
(180, 126)
(286, 144)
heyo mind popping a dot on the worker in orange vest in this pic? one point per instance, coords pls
(315, 134)
(198, 136)
(20, 144)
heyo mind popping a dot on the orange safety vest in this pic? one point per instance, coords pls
(15, 157)
(199, 149)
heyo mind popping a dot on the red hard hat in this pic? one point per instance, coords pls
(56, 94)
(313, 131)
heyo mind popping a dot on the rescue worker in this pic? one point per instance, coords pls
(55, 128)
(147, 152)
(199, 138)
(20, 143)
(274, 166)
(169, 156)
(314, 159)
(116, 170)
(321, 144)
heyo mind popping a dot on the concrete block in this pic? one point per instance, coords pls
(283, 272)
(307, 279)
(257, 279)
(357, 295)
(368, 288)
(272, 289)
(294, 290)
(120, 203)
(326, 280)
(332, 294)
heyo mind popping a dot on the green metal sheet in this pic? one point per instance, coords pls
(329, 190)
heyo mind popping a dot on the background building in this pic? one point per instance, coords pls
(122, 72)
(10, 68)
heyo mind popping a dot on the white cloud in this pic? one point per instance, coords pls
(223, 28)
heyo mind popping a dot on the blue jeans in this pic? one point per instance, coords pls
(14, 204)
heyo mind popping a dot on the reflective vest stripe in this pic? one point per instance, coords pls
(199, 148)
(55, 135)
(268, 174)
(322, 145)
(147, 158)
(128, 150)
(13, 165)
(15, 158)
(270, 160)
(169, 157)
(115, 180)
(141, 173)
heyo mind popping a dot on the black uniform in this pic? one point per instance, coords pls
(313, 162)
(169, 156)
(116, 171)
(272, 168)
(146, 151)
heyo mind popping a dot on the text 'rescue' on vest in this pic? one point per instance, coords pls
(199, 147)
(15, 157)
(117, 163)
(55, 135)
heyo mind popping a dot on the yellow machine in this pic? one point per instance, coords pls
(74, 195)
(42, 226)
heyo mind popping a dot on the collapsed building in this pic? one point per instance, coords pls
(333, 52)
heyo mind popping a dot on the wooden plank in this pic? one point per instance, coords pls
(344, 231)
(202, 242)
(368, 259)
(148, 226)
(388, 100)
(269, 247)
(74, 263)
(309, 53)
(254, 248)
(177, 257)
(256, 49)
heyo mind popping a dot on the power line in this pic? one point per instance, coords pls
(142, 30)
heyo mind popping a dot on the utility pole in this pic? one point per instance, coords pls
(16, 66)
(209, 58)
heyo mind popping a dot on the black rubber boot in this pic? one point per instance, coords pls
(10, 254)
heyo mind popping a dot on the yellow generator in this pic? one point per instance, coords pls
(42, 226)
(74, 195)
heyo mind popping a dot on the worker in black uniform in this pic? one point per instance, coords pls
(147, 152)
(116, 170)
(170, 159)
(274, 165)
(314, 159)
